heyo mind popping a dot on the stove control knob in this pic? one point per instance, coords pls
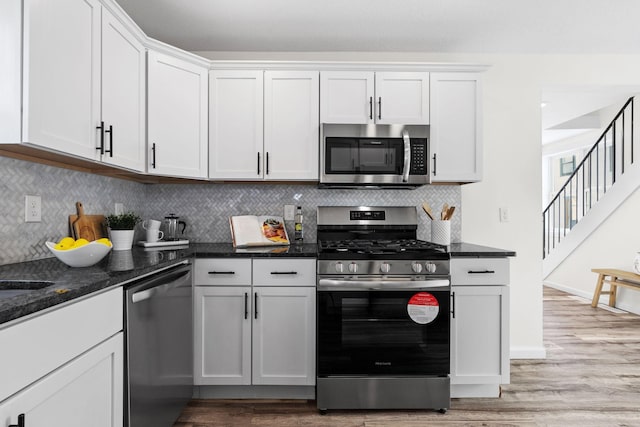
(385, 267)
(353, 268)
(416, 267)
(431, 267)
(339, 267)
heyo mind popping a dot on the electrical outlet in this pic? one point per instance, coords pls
(289, 212)
(504, 214)
(119, 209)
(32, 209)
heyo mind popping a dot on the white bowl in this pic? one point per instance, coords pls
(83, 256)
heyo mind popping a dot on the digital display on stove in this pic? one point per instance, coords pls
(366, 215)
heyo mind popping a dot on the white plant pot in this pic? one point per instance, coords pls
(122, 240)
(636, 263)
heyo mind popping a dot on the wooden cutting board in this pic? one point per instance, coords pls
(90, 227)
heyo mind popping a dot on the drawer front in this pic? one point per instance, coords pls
(222, 271)
(479, 271)
(37, 346)
(284, 272)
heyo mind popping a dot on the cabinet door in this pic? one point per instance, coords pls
(87, 391)
(284, 336)
(347, 97)
(402, 98)
(291, 123)
(177, 117)
(222, 335)
(456, 132)
(480, 335)
(235, 124)
(61, 75)
(123, 95)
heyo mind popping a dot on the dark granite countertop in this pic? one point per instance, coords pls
(470, 250)
(68, 283)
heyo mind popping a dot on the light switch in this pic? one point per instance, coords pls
(504, 214)
(289, 212)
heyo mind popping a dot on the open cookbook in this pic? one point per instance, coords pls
(252, 230)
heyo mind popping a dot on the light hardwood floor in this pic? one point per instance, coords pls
(591, 377)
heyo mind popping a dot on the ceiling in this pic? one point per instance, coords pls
(442, 26)
(430, 26)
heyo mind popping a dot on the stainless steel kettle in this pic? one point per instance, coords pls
(171, 223)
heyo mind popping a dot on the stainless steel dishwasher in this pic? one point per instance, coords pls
(158, 347)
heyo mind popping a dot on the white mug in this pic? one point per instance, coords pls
(151, 224)
(154, 234)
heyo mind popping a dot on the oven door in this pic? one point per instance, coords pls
(383, 332)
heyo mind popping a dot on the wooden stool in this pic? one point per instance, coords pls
(626, 279)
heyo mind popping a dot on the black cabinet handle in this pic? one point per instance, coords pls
(101, 147)
(284, 272)
(153, 157)
(255, 305)
(110, 132)
(434, 163)
(481, 272)
(371, 107)
(258, 163)
(379, 108)
(246, 305)
(266, 169)
(21, 422)
(222, 272)
(453, 305)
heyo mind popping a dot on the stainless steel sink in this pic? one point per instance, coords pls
(12, 288)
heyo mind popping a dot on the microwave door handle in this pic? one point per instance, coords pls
(407, 156)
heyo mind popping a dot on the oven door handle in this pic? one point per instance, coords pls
(407, 156)
(379, 285)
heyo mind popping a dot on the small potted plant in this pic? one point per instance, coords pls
(121, 230)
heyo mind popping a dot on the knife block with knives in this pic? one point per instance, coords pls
(89, 227)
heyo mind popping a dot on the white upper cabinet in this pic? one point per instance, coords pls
(235, 124)
(456, 127)
(264, 125)
(366, 97)
(177, 117)
(347, 97)
(123, 96)
(402, 98)
(291, 125)
(61, 75)
(82, 79)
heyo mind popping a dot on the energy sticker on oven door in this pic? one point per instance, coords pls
(423, 308)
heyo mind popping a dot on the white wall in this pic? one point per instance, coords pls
(512, 155)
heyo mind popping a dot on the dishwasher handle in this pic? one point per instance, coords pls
(159, 284)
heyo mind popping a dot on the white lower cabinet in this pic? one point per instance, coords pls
(284, 330)
(257, 332)
(85, 392)
(479, 328)
(222, 335)
(65, 367)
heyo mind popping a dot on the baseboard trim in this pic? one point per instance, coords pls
(528, 353)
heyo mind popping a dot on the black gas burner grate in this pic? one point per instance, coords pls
(380, 246)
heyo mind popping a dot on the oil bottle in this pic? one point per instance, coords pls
(298, 228)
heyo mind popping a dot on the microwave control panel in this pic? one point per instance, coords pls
(418, 157)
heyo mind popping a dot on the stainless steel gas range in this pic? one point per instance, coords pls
(383, 312)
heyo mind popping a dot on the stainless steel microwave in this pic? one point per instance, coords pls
(374, 162)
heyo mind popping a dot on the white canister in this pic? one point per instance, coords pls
(441, 232)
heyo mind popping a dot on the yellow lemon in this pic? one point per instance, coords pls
(104, 241)
(80, 242)
(65, 243)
